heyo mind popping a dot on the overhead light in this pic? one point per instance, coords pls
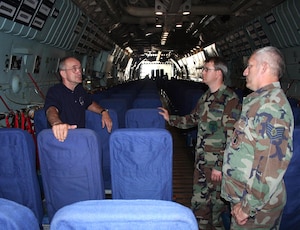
(165, 34)
(179, 25)
(129, 50)
(159, 22)
(186, 7)
(160, 8)
(164, 37)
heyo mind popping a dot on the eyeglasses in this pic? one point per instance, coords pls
(248, 66)
(74, 69)
(205, 69)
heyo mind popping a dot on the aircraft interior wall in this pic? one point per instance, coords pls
(278, 27)
(33, 41)
(60, 28)
(22, 58)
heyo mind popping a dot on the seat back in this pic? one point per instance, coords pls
(71, 170)
(144, 118)
(124, 215)
(94, 121)
(290, 217)
(119, 105)
(18, 176)
(146, 102)
(148, 94)
(128, 96)
(296, 114)
(14, 216)
(141, 164)
(40, 120)
(191, 98)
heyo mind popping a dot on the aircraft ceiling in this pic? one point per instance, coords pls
(133, 22)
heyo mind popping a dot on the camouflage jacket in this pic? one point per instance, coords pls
(261, 148)
(215, 115)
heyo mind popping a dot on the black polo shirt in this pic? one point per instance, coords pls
(71, 105)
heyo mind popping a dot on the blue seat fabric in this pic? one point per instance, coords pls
(71, 170)
(14, 216)
(18, 176)
(141, 163)
(124, 215)
(144, 118)
(291, 218)
(94, 121)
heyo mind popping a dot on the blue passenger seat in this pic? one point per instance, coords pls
(291, 218)
(71, 170)
(296, 114)
(94, 122)
(141, 163)
(18, 177)
(146, 102)
(14, 216)
(40, 120)
(124, 215)
(144, 118)
(119, 105)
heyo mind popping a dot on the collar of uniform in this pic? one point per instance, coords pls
(219, 92)
(263, 89)
(216, 95)
(222, 87)
(268, 87)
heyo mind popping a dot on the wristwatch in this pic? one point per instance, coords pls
(103, 110)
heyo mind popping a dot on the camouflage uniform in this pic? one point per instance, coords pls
(258, 156)
(215, 115)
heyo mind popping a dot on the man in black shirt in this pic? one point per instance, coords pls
(67, 101)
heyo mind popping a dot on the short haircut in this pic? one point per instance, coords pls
(273, 57)
(219, 64)
(62, 62)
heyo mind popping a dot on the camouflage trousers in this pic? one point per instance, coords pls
(206, 202)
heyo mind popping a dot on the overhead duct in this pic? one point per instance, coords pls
(211, 9)
(134, 20)
(111, 8)
(140, 12)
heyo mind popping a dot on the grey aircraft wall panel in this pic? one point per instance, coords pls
(286, 27)
(65, 27)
